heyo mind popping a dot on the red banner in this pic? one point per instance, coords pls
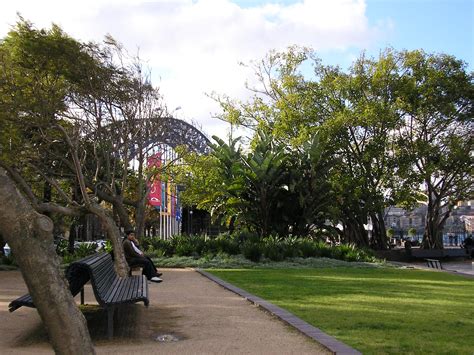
(154, 197)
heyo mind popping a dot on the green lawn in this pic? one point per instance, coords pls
(376, 311)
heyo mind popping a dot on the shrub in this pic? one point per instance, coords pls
(69, 258)
(159, 247)
(228, 245)
(249, 245)
(252, 250)
(353, 255)
(81, 251)
(84, 250)
(62, 246)
(147, 243)
(324, 250)
(245, 235)
(273, 248)
(211, 247)
(108, 246)
(8, 260)
(291, 247)
(308, 248)
(185, 245)
(184, 249)
(350, 252)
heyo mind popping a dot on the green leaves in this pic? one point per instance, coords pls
(269, 190)
(436, 101)
(392, 123)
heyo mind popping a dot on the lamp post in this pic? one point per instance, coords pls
(175, 110)
(191, 221)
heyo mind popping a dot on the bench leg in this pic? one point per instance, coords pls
(82, 295)
(110, 322)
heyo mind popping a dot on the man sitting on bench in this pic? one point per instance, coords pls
(135, 257)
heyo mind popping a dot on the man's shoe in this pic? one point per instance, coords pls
(159, 274)
(156, 279)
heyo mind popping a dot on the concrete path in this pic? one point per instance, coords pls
(464, 267)
(461, 267)
(188, 314)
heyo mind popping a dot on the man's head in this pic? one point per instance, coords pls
(130, 235)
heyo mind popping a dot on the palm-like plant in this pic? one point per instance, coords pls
(266, 184)
(310, 192)
(252, 184)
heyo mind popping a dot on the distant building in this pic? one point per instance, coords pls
(468, 223)
(401, 220)
(460, 222)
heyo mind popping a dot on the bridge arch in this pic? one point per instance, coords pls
(176, 132)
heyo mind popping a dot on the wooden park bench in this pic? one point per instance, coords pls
(434, 264)
(110, 290)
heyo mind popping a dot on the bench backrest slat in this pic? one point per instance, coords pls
(107, 286)
(104, 278)
(102, 273)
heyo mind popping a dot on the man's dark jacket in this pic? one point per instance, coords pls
(129, 252)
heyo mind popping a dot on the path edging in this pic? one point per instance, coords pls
(329, 342)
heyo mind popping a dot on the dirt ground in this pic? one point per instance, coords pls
(188, 314)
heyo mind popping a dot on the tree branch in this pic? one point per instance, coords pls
(21, 183)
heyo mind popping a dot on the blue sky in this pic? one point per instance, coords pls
(437, 26)
(434, 25)
(193, 47)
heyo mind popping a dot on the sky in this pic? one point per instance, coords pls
(193, 47)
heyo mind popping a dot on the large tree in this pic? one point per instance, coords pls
(435, 142)
(31, 239)
(362, 121)
(73, 119)
(41, 70)
(119, 116)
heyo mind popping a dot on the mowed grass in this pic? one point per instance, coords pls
(376, 311)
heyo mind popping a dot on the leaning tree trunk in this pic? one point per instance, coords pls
(113, 233)
(104, 216)
(121, 212)
(140, 217)
(142, 196)
(30, 236)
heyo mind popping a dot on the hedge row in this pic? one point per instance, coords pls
(254, 249)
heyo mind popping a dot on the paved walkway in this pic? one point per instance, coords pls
(188, 314)
(464, 268)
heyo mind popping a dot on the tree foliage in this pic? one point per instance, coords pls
(436, 102)
(394, 123)
(268, 190)
(76, 119)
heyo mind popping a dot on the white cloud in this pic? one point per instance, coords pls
(194, 47)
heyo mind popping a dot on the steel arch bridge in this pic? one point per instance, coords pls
(176, 132)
